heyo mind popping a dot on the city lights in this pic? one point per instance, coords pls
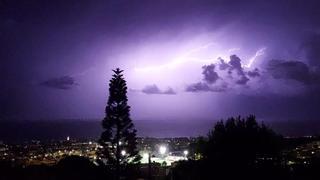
(123, 153)
(145, 155)
(162, 150)
(185, 152)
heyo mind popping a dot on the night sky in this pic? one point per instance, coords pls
(184, 60)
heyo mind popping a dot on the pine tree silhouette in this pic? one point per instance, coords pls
(118, 140)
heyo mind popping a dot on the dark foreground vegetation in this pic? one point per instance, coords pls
(242, 148)
(235, 149)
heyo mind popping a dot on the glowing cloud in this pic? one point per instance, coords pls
(184, 58)
(233, 50)
(187, 57)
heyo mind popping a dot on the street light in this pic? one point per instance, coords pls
(123, 152)
(162, 150)
(185, 152)
(146, 155)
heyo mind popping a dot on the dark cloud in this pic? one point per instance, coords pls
(204, 87)
(218, 76)
(235, 63)
(294, 70)
(64, 82)
(242, 80)
(235, 66)
(169, 91)
(312, 49)
(209, 73)
(254, 73)
(196, 87)
(223, 65)
(153, 89)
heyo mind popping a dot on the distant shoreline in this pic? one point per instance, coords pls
(85, 129)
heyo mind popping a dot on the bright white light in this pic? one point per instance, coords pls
(146, 155)
(184, 58)
(120, 142)
(68, 138)
(162, 150)
(123, 152)
(233, 50)
(185, 152)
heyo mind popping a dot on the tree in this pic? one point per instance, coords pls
(239, 148)
(76, 167)
(242, 140)
(118, 139)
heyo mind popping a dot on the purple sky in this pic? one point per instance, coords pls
(183, 60)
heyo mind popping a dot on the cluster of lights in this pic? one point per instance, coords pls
(186, 152)
(145, 155)
(162, 150)
(163, 156)
(123, 152)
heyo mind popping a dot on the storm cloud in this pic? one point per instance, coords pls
(204, 87)
(209, 74)
(64, 83)
(292, 70)
(154, 89)
(311, 47)
(254, 73)
(220, 76)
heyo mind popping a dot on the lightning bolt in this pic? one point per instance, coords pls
(186, 57)
(259, 53)
(180, 59)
